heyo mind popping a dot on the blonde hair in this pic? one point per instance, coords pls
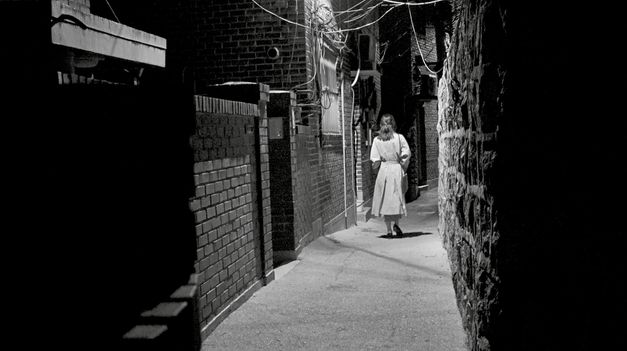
(387, 127)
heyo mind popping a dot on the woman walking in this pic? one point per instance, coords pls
(390, 152)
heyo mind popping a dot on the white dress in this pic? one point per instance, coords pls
(393, 158)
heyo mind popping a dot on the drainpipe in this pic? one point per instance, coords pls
(343, 150)
(352, 117)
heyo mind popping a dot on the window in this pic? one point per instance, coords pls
(366, 52)
(329, 95)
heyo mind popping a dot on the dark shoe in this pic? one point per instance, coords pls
(398, 230)
(389, 235)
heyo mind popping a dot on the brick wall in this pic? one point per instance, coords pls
(318, 179)
(364, 173)
(320, 182)
(223, 55)
(258, 94)
(348, 145)
(229, 250)
(431, 140)
(316, 202)
(365, 115)
(331, 178)
(428, 48)
(220, 41)
(325, 160)
(428, 138)
(232, 40)
(337, 174)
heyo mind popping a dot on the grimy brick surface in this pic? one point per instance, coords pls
(228, 237)
(241, 49)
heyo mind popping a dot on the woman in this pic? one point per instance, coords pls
(390, 152)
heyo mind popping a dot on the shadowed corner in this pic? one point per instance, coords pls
(404, 235)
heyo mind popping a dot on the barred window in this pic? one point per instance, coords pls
(329, 95)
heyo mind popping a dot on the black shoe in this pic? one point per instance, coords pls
(389, 235)
(398, 230)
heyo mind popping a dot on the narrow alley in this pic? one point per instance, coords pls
(355, 290)
(202, 175)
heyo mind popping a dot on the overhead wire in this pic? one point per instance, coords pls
(413, 3)
(275, 15)
(411, 18)
(351, 9)
(328, 31)
(111, 8)
(360, 16)
(365, 25)
(393, 3)
(385, 49)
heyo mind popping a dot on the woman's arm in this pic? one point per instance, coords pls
(405, 152)
(375, 157)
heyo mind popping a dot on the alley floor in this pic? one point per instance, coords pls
(356, 290)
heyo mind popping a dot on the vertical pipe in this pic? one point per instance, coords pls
(343, 148)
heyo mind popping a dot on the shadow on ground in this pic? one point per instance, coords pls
(390, 259)
(404, 236)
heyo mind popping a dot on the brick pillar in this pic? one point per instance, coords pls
(264, 166)
(281, 156)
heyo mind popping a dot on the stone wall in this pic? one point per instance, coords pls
(533, 247)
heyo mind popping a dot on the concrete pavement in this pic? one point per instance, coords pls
(355, 290)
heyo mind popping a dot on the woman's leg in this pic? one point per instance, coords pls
(396, 227)
(388, 223)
